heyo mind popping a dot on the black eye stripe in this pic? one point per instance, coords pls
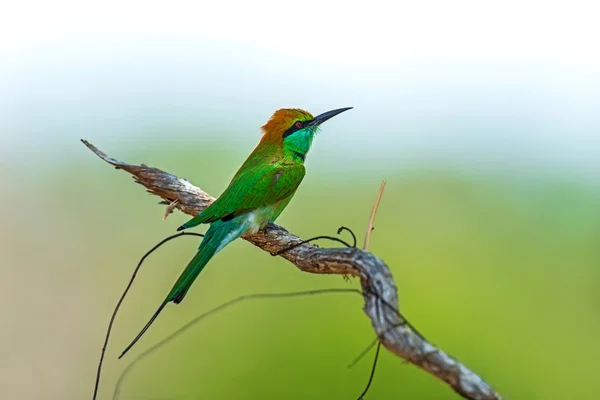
(293, 129)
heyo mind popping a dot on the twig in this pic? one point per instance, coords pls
(170, 208)
(362, 395)
(366, 248)
(372, 217)
(374, 275)
(122, 298)
(221, 307)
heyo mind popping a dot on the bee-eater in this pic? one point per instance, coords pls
(257, 194)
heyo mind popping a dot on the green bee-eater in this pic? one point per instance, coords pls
(257, 194)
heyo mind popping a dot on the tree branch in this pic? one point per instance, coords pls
(379, 290)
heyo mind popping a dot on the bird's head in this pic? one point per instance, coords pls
(294, 129)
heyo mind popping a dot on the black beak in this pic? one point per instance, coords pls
(319, 119)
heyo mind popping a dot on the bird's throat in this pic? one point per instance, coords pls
(300, 156)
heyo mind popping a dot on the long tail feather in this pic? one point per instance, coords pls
(191, 272)
(145, 328)
(218, 236)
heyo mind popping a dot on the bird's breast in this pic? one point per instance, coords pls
(257, 219)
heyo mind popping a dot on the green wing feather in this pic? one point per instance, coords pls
(252, 188)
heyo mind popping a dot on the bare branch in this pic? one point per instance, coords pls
(379, 289)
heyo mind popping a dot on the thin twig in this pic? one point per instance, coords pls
(363, 353)
(118, 306)
(366, 248)
(362, 395)
(213, 311)
(372, 217)
(170, 208)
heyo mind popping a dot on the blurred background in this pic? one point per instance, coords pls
(482, 118)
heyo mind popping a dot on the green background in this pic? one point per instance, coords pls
(501, 273)
(482, 117)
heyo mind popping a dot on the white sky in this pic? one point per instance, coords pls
(564, 32)
(453, 77)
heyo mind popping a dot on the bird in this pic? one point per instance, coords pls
(257, 194)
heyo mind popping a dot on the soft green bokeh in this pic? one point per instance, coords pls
(482, 116)
(501, 273)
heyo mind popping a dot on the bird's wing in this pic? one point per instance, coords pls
(253, 188)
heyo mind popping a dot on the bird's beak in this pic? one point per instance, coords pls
(319, 119)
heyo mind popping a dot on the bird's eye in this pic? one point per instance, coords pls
(298, 124)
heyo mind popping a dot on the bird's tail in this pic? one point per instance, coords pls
(218, 236)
